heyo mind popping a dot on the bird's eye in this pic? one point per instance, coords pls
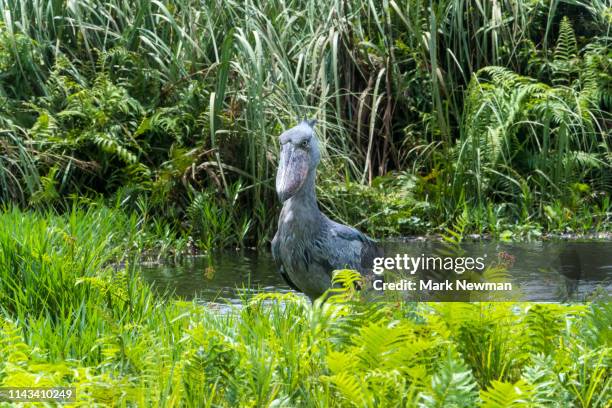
(305, 144)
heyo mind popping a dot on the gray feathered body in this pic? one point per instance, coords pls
(308, 246)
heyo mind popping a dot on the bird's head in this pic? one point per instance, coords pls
(299, 158)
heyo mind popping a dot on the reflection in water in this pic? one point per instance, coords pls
(223, 276)
(570, 267)
(545, 271)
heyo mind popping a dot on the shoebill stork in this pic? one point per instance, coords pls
(308, 246)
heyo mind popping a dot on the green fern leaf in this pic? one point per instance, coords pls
(507, 395)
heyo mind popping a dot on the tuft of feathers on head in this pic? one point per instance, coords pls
(309, 122)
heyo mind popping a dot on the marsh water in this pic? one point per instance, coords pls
(546, 271)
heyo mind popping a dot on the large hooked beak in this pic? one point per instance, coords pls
(292, 171)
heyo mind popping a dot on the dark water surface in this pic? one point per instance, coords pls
(222, 276)
(545, 271)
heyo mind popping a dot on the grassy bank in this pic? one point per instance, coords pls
(70, 316)
(427, 110)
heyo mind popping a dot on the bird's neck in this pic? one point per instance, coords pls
(304, 203)
(307, 194)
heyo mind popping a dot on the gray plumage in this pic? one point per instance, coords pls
(308, 246)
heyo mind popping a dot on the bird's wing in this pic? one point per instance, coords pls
(279, 264)
(353, 250)
(344, 247)
(348, 233)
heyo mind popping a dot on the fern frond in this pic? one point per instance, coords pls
(507, 395)
(350, 387)
(111, 145)
(346, 278)
(566, 51)
(453, 385)
(545, 382)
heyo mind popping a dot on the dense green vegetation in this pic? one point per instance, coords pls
(148, 128)
(426, 109)
(69, 315)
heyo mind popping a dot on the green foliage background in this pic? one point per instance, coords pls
(137, 125)
(425, 107)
